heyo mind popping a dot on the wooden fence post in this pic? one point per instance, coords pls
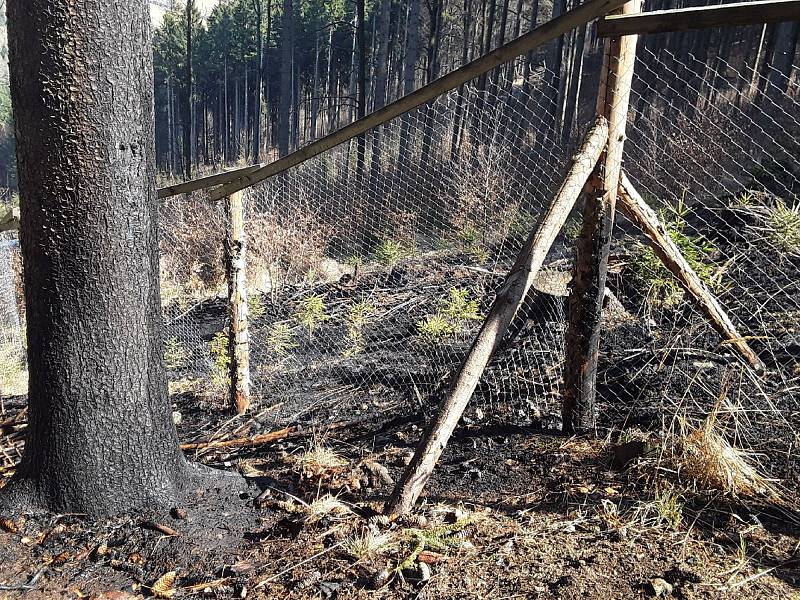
(594, 241)
(236, 272)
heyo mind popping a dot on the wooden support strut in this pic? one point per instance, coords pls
(594, 242)
(645, 218)
(206, 182)
(501, 313)
(238, 336)
(700, 17)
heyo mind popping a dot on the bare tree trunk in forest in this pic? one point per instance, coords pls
(573, 92)
(246, 116)
(206, 154)
(265, 76)
(287, 39)
(479, 126)
(755, 68)
(226, 111)
(782, 58)
(362, 84)
(434, 40)
(412, 54)
(517, 28)
(501, 39)
(526, 70)
(100, 437)
(330, 106)
(352, 91)
(381, 66)
(236, 118)
(554, 77)
(170, 130)
(315, 90)
(188, 155)
(455, 144)
(295, 127)
(259, 79)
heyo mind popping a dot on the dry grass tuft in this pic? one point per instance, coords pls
(367, 543)
(703, 455)
(319, 460)
(325, 506)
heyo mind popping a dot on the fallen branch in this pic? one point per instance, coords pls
(158, 527)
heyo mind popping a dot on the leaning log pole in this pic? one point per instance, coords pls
(502, 312)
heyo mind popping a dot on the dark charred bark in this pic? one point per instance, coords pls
(100, 438)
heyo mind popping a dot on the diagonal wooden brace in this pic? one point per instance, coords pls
(502, 312)
(645, 218)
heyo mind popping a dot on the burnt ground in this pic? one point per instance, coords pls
(510, 512)
(514, 510)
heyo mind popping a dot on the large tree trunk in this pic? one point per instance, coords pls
(100, 438)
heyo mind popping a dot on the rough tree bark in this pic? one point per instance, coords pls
(101, 438)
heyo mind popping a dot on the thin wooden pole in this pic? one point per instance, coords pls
(645, 218)
(594, 241)
(238, 335)
(533, 39)
(501, 313)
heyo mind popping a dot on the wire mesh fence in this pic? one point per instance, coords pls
(370, 267)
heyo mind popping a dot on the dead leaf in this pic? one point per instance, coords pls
(8, 526)
(164, 587)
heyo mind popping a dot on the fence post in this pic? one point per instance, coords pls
(236, 273)
(594, 242)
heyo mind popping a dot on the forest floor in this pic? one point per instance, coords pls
(510, 513)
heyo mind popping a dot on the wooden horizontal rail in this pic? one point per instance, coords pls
(700, 17)
(206, 182)
(547, 32)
